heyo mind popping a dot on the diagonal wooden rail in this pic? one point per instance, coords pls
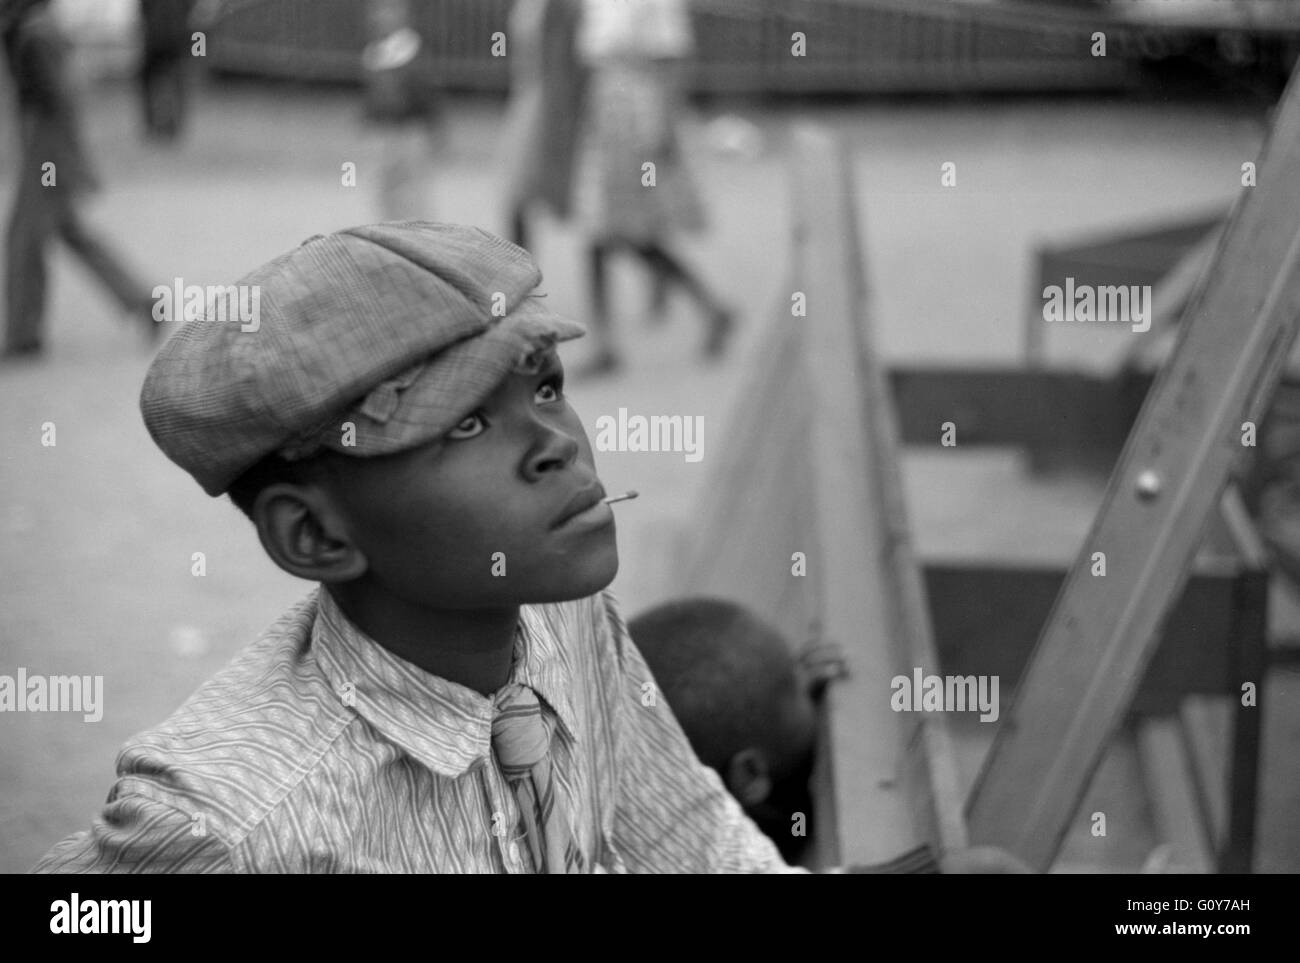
(1102, 632)
(810, 468)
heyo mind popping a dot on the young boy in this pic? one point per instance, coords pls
(458, 694)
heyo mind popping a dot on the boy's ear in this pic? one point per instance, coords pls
(303, 532)
(748, 777)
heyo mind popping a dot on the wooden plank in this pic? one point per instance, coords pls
(1143, 255)
(1102, 631)
(806, 467)
(754, 514)
(1237, 852)
(1169, 301)
(1171, 257)
(1010, 406)
(895, 780)
(987, 617)
(1167, 774)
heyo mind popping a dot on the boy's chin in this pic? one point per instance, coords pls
(578, 582)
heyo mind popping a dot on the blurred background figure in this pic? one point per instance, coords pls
(635, 51)
(546, 93)
(403, 109)
(165, 50)
(744, 703)
(53, 175)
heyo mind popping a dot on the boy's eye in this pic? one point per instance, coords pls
(550, 390)
(468, 427)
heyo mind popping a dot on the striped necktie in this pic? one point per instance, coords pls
(520, 740)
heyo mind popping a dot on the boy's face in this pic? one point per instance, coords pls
(485, 516)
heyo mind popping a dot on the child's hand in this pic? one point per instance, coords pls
(981, 859)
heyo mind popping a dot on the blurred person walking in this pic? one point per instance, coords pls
(635, 51)
(403, 109)
(165, 49)
(53, 175)
(547, 84)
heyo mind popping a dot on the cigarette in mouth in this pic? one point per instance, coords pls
(626, 496)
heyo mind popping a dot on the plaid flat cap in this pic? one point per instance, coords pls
(398, 330)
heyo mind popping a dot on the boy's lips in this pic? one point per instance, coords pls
(587, 498)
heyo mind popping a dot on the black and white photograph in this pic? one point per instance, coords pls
(842, 437)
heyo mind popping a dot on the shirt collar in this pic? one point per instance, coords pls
(444, 725)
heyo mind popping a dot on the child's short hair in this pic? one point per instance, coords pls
(728, 676)
(271, 470)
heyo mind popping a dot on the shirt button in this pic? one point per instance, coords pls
(514, 852)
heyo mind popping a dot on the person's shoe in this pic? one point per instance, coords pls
(722, 322)
(27, 351)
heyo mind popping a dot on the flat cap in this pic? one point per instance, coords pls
(396, 331)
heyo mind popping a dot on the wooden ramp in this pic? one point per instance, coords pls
(806, 525)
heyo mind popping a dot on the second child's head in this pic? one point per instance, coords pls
(743, 701)
(396, 422)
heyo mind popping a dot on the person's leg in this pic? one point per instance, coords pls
(665, 265)
(519, 225)
(174, 80)
(144, 86)
(660, 285)
(156, 95)
(30, 226)
(605, 358)
(404, 179)
(131, 292)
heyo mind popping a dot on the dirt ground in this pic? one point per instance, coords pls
(97, 533)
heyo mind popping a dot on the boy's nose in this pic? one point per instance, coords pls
(555, 449)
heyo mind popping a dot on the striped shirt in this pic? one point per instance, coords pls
(317, 750)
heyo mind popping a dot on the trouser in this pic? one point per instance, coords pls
(162, 92)
(40, 215)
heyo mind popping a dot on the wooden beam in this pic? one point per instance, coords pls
(1102, 631)
(1042, 409)
(895, 778)
(1237, 852)
(755, 513)
(1010, 406)
(1143, 255)
(1147, 255)
(810, 467)
(987, 617)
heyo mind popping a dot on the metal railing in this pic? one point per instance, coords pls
(742, 46)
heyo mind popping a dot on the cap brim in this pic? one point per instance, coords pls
(429, 399)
